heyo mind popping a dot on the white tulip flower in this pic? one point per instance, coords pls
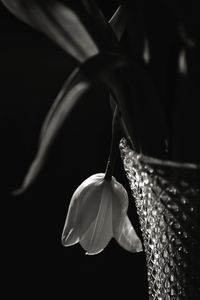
(98, 212)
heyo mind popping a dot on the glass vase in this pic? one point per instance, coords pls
(167, 197)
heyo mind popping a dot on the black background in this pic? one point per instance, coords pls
(32, 71)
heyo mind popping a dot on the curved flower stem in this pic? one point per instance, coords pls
(114, 146)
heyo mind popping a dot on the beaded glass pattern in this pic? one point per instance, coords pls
(167, 197)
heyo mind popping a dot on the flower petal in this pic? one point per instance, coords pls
(123, 230)
(71, 238)
(70, 235)
(99, 233)
(120, 202)
(80, 215)
(126, 236)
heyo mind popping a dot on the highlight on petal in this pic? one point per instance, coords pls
(71, 239)
(126, 236)
(99, 233)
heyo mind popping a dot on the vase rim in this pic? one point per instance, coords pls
(168, 163)
(161, 162)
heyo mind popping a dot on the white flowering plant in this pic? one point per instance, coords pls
(98, 208)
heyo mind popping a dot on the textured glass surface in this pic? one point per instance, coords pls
(167, 197)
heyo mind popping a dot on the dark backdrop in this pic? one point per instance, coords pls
(32, 71)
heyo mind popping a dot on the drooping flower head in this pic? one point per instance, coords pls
(98, 212)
